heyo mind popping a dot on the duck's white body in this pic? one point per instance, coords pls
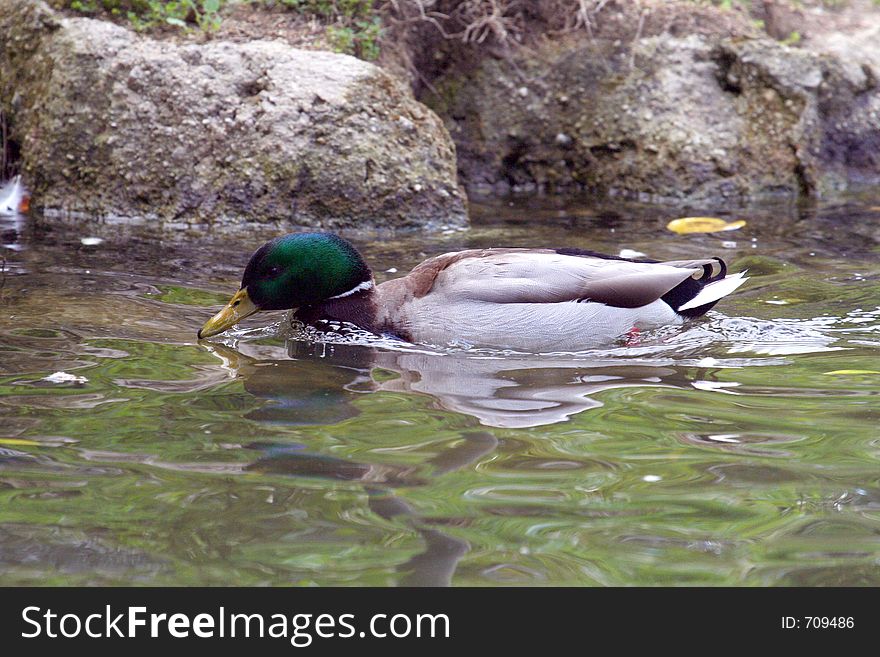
(542, 300)
(563, 326)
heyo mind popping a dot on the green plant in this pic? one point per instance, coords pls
(354, 27)
(792, 39)
(341, 38)
(361, 38)
(85, 6)
(204, 13)
(143, 14)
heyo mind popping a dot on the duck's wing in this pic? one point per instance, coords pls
(547, 276)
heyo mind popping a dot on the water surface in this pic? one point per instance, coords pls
(741, 449)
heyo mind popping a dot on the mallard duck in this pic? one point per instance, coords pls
(514, 298)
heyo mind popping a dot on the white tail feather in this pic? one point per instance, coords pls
(714, 291)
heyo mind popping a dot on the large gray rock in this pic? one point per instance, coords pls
(693, 117)
(848, 107)
(112, 124)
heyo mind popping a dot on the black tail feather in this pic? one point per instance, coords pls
(681, 293)
(690, 287)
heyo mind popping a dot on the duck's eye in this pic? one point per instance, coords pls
(273, 271)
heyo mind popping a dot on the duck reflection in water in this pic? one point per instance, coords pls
(312, 383)
(436, 565)
(309, 383)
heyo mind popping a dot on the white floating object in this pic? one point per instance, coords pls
(725, 438)
(728, 244)
(91, 241)
(651, 478)
(64, 377)
(630, 253)
(716, 386)
(11, 195)
(391, 270)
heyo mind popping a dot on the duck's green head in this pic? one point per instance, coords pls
(296, 270)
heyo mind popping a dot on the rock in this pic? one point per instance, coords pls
(849, 107)
(114, 125)
(781, 20)
(858, 51)
(834, 115)
(663, 118)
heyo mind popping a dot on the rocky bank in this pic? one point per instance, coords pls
(114, 125)
(650, 100)
(689, 114)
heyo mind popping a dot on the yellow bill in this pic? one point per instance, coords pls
(239, 307)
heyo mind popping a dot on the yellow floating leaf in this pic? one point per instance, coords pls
(702, 225)
(17, 441)
(853, 372)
